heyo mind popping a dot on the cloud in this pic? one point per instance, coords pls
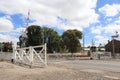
(111, 25)
(111, 28)
(101, 39)
(8, 38)
(103, 33)
(18, 30)
(117, 22)
(107, 30)
(110, 10)
(80, 13)
(97, 30)
(5, 24)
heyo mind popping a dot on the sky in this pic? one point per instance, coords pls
(97, 19)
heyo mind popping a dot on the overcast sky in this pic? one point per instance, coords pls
(97, 19)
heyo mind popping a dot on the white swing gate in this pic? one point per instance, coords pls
(31, 55)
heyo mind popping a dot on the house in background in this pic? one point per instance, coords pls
(6, 47)
(109, 46)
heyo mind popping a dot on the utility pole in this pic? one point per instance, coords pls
(113, 48)
(113, 43)
(83, 42)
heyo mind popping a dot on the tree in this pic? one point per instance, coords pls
(71, 40)
(34, 35)
(39, 35)
(52, 39)
(6, 46)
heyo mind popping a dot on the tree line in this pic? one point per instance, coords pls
(67, 42)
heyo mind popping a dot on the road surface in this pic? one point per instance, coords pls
(96, 65)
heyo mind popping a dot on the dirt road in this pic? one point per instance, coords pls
(105, 65)
(54, 71)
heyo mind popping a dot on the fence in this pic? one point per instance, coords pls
(117, 56)
(31, 55)
(101, 55)
(5, 55)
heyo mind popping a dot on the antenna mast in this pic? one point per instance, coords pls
(24, 37)
(27, 21)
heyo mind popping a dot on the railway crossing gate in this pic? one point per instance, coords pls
(32, 55)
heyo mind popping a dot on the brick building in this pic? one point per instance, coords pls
(109, 46)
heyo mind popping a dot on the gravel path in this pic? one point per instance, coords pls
(10, 71)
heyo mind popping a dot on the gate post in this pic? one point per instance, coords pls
(13, 58)
(45, 47)
(21, 55)
(31, 56)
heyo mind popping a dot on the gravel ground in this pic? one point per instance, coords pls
(10, 71)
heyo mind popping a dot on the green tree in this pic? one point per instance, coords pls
(34, 35)
(39, 35)
(71, 40)
(52, 39)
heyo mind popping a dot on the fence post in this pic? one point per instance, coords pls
(21, 54)
(110, 54)
(31, 56)
(14, 55)
(45, 47)
(13, 58)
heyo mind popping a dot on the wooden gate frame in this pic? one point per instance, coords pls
(29, 53)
